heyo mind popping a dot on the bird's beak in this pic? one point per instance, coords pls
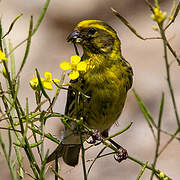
(74, 37)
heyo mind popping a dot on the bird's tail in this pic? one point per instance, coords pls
(70, 154)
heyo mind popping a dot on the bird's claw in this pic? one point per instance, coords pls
(122, 155)
(96, 136)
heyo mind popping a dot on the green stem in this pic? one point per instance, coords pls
(141, 172)
(142, 164)
(12, 170)
(173, 52)
(27, 46)
(42, 136)
(158, 135)
(96, 158)
(120, 132)
(147, 166)
(56, 168)
(133, 159)
(36, 26)
(156, 3)
(11, 26)
(168, 73)
(83, 156)
(43, 12)
(48, 136)
(169, 141)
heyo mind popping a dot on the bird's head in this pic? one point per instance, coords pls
(95, 37)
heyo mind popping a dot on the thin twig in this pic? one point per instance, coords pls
(36, 26)
(168, 73)
(98, 155)
(142, 170)
(123, 20)
(169, 141)
(158, 135)
(83, 156)
(11, 26)
(27, 46)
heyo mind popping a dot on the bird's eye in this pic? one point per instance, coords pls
(91, 31)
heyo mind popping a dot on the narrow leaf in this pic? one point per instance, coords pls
(27, 46)
(12, 60)
(161, 110)
(123, 20)
(146, 114)
(42, 171)
(141, 172)
(41, 85)
(12, 24)
(144, 110)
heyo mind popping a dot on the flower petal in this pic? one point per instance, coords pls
(3, 56)
(56, 80)
(65, 65)
(75, 59)
(48, 76)
(73, 75)
(42, 80)
(34, 83)
(82, 66)
(47, 85)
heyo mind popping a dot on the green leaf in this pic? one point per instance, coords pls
(123, 20)
(27, 46)
(161, 110)
(41, 85)
(12, 60)
(145, 112)
(49, 136)
(144, 109)
(12, 24)
(42, 171)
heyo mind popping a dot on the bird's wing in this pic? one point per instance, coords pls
(70, 103)
(73, 99)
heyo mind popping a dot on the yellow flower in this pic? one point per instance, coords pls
(65, 66)
(76, 65)
(3, 56)
(161, 175)
(73, 75)
(166, 178)
(158, 15)
(46, 82)
(75, 59)
(34, 82)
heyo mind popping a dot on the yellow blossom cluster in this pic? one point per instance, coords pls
(46, 81)
(162, 176)
(75, 65)
(158, 15)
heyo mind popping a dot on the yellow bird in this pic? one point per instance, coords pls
(106, 83)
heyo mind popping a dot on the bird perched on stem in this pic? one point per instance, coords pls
(104, 86)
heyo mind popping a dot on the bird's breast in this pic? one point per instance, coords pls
(107, 97)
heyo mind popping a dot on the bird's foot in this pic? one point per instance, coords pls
(96, 136)
(122, 155)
